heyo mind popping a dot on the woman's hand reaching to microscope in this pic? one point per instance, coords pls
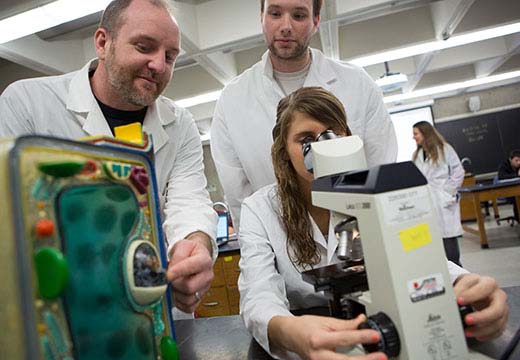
(317, 337)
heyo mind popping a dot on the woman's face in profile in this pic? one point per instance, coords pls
(418, 136)
(303, 129)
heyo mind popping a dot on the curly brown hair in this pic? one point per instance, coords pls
(433, 145)
(324, 107)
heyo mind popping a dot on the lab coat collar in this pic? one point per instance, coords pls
(318, 236)
(330, 244)
(267, 65)
(81, 101)
(157, 116)
(320, 72)
(80, 97)
(268, 82)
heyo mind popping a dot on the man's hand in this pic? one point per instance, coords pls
(490, 303)
(190, 270)
(317, 337)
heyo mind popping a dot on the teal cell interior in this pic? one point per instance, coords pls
(96, 222)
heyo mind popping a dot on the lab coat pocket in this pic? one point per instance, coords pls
(447, 200)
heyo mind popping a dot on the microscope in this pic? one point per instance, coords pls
(394, 267)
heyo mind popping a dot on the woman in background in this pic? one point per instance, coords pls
(441, 166)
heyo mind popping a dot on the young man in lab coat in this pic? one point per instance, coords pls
(246, 111)
(137, 44)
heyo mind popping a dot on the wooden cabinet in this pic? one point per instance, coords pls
(234, 300)
(231, 269)
(467, 209)
(223, 297)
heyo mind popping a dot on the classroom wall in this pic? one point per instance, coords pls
(11, 72)
(489, 99)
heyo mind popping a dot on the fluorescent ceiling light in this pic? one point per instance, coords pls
(47, 16)
(199, 99)
(411, 106)
(452, 86)
(428, 47)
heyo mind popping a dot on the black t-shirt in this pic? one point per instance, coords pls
(116, 117)
(506, 171)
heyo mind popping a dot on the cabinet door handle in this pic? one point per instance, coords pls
(213, 303)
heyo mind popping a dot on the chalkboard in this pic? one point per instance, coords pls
(485, 139)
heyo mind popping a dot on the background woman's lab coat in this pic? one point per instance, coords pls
(444, 179)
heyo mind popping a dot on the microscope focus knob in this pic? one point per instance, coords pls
(389, 338)
(465, 310)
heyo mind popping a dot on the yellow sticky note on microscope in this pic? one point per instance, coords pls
(415, 237)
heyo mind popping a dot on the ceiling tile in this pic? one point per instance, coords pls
(386, 32)
(485, 13)
(13, 7)
(513, 64)
(461, 73)
(191, 81)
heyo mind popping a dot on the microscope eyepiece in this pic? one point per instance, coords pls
(306, 148)
(307, 157)
(327, 135)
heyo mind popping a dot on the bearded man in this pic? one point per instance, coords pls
(137, 43)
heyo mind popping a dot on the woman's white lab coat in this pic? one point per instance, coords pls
(269, 283)
(444, 179)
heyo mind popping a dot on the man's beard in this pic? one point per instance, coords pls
(122, 80)
(297, 53)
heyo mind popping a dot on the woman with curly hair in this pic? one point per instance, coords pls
(283, 234)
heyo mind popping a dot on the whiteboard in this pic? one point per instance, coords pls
(403, 124)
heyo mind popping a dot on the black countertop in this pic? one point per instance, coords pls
(483, 187)
(228, 246)
(226, 338)
(216, 338)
